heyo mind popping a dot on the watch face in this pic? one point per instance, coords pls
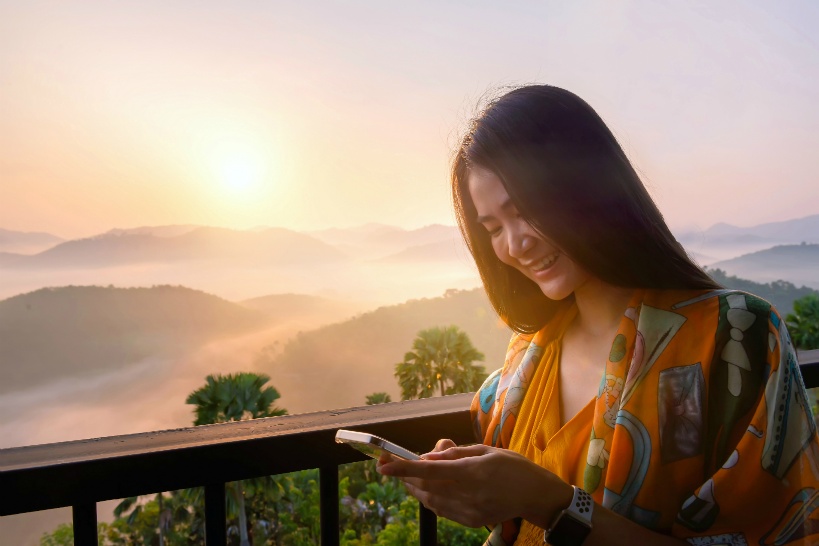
(568, 531)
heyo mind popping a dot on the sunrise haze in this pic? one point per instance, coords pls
(308, 116)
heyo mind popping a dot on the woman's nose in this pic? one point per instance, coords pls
(520, 242)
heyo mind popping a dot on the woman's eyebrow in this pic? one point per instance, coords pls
(506, 205)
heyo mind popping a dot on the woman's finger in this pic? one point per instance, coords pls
(455, 452)
(444, 443)
(429, 469)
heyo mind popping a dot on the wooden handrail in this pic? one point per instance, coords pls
(71, 473)
(81, 473)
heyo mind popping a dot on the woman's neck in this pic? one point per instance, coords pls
(600, 307)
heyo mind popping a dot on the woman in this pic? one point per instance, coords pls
(639, 403)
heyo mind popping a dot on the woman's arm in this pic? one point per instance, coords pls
(480, 485)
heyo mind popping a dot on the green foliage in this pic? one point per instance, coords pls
(803, 323)
(441, 359)
(378, 398)
(63, 535)
(234, 397)
(403, 529)
(455, 534)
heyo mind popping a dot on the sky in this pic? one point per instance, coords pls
(309, 115)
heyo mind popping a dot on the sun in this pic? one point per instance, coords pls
(240, 174)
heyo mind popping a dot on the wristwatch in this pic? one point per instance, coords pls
(572, 525)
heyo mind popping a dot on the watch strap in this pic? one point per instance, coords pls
(582, 505)
(573, 524)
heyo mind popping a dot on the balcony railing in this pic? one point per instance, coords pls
(83, 472)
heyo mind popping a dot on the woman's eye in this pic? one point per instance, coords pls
(493, 231)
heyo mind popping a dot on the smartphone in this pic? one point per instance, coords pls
(372, 445)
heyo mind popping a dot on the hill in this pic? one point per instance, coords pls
(780, 293)
(796, 230)
(77, 331)
(798, 263)
(338, 365)
(432, 252)
(378, 240)
(288, 307)
(23, 242)
(725, 241)
(274, 246)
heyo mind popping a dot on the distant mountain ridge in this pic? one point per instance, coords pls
(171, 230)
(23, 242)
(376, 241)
(120, 247)
(372, 262)
(432, 252)
(806, 228)
(725, 241)
(798, 264)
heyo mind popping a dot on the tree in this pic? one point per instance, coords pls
(235, 397)
(63, 535)
(378, 398)
(164, 514)
(803, 323)
(441, 359)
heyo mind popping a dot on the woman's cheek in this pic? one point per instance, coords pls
(500, 249)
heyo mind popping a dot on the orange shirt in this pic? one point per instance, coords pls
(701, 427)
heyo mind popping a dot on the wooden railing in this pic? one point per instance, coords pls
(84, 472)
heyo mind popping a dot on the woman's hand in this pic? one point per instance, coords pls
(480, 485)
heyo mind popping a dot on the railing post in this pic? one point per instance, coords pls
(215, 516)
(85, 524)
(428, 526)
(328, 490)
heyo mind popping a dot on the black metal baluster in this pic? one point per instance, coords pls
(328, 489)
(215, 516)
(428, 524)
(85, 524)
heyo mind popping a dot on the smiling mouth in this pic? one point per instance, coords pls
(545, 263)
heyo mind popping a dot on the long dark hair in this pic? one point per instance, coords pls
(569, 178)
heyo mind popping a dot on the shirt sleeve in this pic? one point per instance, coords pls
(762, 483)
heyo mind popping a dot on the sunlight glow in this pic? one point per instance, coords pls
(240, 174)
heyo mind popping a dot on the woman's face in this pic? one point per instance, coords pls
(517, 244)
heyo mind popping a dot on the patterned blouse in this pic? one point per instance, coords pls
(701, 427)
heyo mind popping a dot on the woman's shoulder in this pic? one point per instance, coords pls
(699, 302)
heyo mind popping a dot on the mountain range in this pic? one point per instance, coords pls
(201, 244)
(722, 242)
(798, 264)
(23, 242)
(372, 262)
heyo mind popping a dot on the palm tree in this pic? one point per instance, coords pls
(235, 397)
(378, 398)
(441, 359)
(803, 323)
(171, 508)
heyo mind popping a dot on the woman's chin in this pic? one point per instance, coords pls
(556, 293)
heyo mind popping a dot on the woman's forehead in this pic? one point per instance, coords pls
(487, 192)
